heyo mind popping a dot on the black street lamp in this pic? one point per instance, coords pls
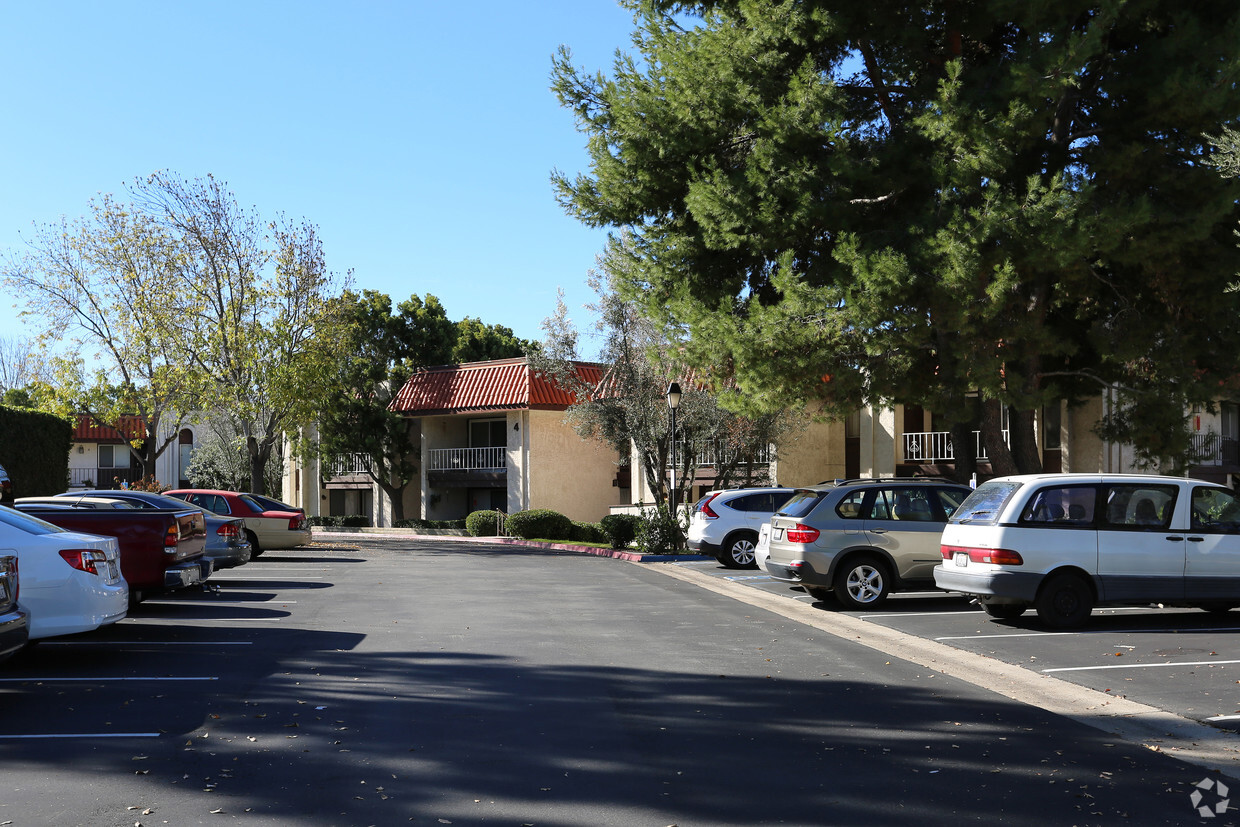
(673, 402)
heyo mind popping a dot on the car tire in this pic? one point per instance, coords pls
(255, 549)
(1064, 601)
(862, 582)
(738, 551)
(1004, 611)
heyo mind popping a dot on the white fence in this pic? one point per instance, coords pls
(467, 459)
(936, 446)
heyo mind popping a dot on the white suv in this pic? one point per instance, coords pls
(725, 524)
(1064, 543)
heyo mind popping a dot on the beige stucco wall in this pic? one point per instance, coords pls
(812, 455)
(565, 472)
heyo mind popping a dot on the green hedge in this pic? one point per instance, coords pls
(34, 449)
(589, 533)
(620, 529)
(341, 521)
(659, 533)
(540, 524)
(416, 523)
(482, 524)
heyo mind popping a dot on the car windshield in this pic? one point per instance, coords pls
(801, 503)
(984, 504)
(27, 523)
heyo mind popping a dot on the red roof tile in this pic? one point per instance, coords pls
(90, 429)
(500, 385)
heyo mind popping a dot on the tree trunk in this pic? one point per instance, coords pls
(1001, 460)
(964, 451)
(259, 453)
(1024, 441)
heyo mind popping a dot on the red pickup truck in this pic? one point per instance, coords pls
(160, 549)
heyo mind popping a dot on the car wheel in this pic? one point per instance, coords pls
(738, 551)
(1004, 611)
(862, 583)
(1064, 601)
(255, 550)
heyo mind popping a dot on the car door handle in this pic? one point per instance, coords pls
(1175, 538)
(877, 530)
(1196, 539)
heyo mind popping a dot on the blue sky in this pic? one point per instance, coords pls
(418, 136)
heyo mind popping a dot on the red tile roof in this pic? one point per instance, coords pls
(500, 385)
(90, 429)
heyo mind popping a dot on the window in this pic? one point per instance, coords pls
(850, 506)
(1138, 506)
(113, 456)
(1215, 511)
(1062, 506)
(949, 499)
(488, 433)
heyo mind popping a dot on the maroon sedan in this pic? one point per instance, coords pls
(267, 529)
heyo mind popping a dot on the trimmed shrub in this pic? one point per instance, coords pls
(482, 524)
(355, 521)
(659, 533)
(620, 529)
(416, 523)
(540, 524)
(589, 533)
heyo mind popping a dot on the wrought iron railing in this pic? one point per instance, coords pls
(1215, 449)
(936, 446)
(101, 477)
(467, 459)
(341, 465)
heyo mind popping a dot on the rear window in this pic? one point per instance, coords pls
(27, 523)
(802, 503)
(985, 503)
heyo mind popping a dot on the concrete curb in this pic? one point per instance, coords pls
(405, 534)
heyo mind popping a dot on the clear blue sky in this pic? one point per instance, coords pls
(418, 136)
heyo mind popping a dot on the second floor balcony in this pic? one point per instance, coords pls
(467, 459)
(936, 446)
(1215, 449)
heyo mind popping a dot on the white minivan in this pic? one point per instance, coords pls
(1064, 543)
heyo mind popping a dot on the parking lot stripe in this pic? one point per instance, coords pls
(1094, 632)
(81, 735)
(919, 614)
(1141, 665)
(147, 643)
(95, 680)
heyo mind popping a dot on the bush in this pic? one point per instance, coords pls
(540, 524)
(355, 521)
(659, 533)
(416, 523)
(482, 524)
(340, 521)
(588, 533)
(620, 529)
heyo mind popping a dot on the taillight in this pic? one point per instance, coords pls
(84, 559)
(172, 537)
(706, 511)
(296, 523)
(997, 556)
(801, 533)
(228, 531)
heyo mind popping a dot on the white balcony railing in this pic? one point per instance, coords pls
(936, 446)
(466, 459)
(343, 464)
(710, 455)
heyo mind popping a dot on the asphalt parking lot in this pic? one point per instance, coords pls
(1184, 661)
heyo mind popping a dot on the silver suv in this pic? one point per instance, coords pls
(862, 539)
(725, 524)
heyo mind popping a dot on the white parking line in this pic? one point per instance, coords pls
(1142, 665)
(146, 643)
(919, 614)
(1224, 718)
(1095, 632)
(81, 735)
(95, 680)
(260, 577)
(225, 600)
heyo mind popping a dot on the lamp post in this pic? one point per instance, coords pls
(673, 402)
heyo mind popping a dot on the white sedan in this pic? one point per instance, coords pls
(70, 582)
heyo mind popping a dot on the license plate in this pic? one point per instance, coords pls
(777, 534)
(114, 572)
(962, 558)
